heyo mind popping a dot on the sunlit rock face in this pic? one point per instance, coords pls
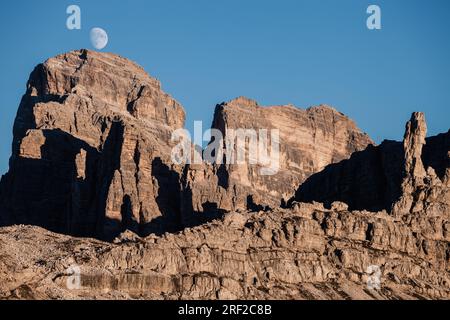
(92, 157)
(91, 149)
(394, 176)
(92, 152)
(309, 140)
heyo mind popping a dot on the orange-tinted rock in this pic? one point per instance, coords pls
(402, 178)
(91, 156)
(91, 149)
(309, 139)
(92, 152)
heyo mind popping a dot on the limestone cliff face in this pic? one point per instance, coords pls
(398, 177)
(309, 140)
(91, 152)
(307, 252)
(91, 157)
(91, 148)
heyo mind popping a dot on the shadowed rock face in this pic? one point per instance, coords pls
(386, 177)
(91, 157)
(91, 152)
(309, 140)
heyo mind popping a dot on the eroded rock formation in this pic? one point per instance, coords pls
(91, 149)
(92, 152)
(307, 252)
(309, 139)
(394, 176)
(91, 157)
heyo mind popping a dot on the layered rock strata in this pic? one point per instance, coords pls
(92, 151)
(309, 140)
(393, 176)
(91, 157)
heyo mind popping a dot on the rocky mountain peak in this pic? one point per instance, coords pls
(108, 80)
(95, 128)
(242, 102)
(92, 158)
(413, 142)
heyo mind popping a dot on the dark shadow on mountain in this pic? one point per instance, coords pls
(106, 228)
(369, 180)
(167, 199)
(126, 213)
(211, 211)
(223, 176)
(175, 204)
(53, 193)
(47, 191)
(436, 153)
(193, 218)
(254, 207)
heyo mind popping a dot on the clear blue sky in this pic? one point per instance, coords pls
(277, 52)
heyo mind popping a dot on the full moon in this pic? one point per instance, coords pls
(99, 38)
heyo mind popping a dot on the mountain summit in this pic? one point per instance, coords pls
(91, 157)
(92, 152)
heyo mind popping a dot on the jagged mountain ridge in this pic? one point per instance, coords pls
(92, 152)
(95, 163)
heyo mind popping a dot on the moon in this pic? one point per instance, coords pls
(99, 38)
